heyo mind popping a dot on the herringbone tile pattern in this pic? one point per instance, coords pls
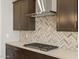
(46, 33)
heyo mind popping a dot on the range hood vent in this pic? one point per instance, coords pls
(44, 8)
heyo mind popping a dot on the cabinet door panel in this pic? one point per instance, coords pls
(67, 12)
(27, 23)
(16, 15)
(11, 52)
(21, 21)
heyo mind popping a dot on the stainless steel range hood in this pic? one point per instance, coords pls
(44, 8)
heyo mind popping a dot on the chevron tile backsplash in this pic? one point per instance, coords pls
(46, 33)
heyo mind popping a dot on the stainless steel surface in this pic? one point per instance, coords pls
(44, 8)
(44, 5)
(39, 46)
(66, 15)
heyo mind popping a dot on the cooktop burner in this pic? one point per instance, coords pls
(39, 46)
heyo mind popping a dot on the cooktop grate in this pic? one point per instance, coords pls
(39, 46)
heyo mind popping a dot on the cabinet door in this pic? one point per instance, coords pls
(66, 15)
(17, 15)
(27, 7)
(26, 54)
(11, 52)
(21, 9)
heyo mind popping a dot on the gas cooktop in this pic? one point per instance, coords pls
(42, 47)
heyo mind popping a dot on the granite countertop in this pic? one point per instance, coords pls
(59, 53)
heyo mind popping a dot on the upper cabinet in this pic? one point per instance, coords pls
(20, 20)
(67, 15)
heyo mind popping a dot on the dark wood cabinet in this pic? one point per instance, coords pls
(16, 15)
(13, 52)
(67, 15)
(20, 20)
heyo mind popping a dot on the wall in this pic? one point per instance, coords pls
(0, 27)
(7, 24)
(46, 33)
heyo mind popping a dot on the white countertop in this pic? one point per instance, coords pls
(59, 53)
